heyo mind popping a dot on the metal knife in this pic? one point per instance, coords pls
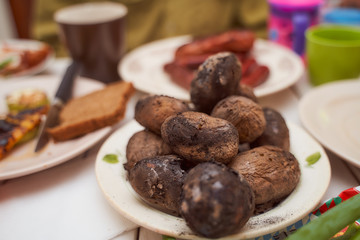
(62, 95)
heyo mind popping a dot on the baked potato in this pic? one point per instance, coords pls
(217, 78)
(197, 137)
(144, 144)
(152, 110)
(246, 115)
(216, 201)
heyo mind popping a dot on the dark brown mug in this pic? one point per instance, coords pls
(94, 34)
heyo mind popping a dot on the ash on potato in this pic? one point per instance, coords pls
(144, 144)
(276, 131)
(158, 181)
(216, 201)
(152, 110)
(217, 78)
(246, 115)
(272, 172)
(197, 137)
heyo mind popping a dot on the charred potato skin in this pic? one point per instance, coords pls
(272, 172)
(144, 144)
(217, 78)
(246, 91)
(246, 115)
(276, 131)
(152, 110)
(223, 202)
(198, 137)
(158, 181)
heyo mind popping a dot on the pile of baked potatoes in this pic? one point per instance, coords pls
(216, 160)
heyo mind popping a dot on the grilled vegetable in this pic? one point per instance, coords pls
(4, 63)
(24, 99)
(13, 128)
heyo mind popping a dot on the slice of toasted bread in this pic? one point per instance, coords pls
(93, 111)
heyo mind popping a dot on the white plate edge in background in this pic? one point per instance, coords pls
(21, 43)
(313, 99)
(170, 45)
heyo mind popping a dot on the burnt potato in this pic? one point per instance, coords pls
(246, 91)
(144, 144)
(216, 201)
(197, 137)
(217, 78)
(276, 131)
(246, 115)
(272, 172)
(152, 110)
(158, 181)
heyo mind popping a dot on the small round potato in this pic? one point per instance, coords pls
(216, 201)
(246, 91)
(276, 132)
(197, 137)
(246, 115)
(144, 144)
(158, 181)
(217, 78)
(152, 110)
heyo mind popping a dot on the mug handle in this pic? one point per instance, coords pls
(301, 21)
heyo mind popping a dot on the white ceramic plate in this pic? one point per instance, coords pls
(25, 44)
(22, 160)
(144, 67)
(112, 179)
(331, 113)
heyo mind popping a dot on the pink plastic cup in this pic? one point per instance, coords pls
(289, 20)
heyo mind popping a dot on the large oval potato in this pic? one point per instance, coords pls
(217, 78)
(246, 115)
(198, 137)
(152, 110)
(272, 172)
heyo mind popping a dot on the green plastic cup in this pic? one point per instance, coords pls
(332, 53)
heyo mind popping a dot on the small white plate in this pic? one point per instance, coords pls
(331, 113)
(112, 179)
(22, 160)
(25, 44)
(144, 67)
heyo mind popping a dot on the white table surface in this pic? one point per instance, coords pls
(65, 202)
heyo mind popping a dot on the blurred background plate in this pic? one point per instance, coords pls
(144, 67)
(331, 113)
(22, 160)
(112, 179)
(35, 56)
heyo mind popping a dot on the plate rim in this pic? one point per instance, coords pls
(99, 163)
(305, 102)
(298, 74)
(99, 134)
(259, 92)
(35, 69)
